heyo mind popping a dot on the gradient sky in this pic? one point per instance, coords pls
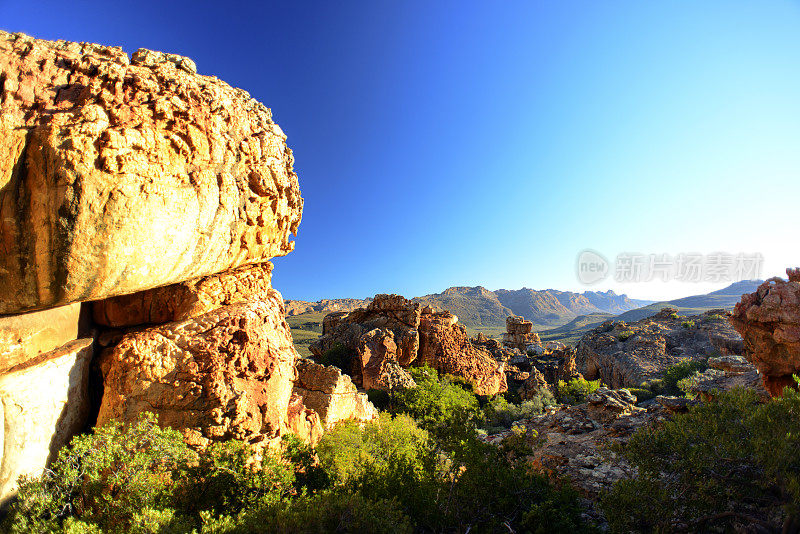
(488, 143)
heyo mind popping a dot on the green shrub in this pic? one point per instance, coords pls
(642, 394)
(500, 413)
(576, 390)
(729, 462)
(677, 372)
(674, 316)
(715, 317)
(326, 512)
(625, 335)
(687, 324)
(439, 406)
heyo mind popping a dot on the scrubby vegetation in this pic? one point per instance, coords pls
(730, 461)
(676, 373)
(687, 324)
(576, 390)
(419, 469)
(501, 413)
(625, 335)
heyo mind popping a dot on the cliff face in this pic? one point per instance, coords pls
(119, 175)
(139, 204)
(769, 322)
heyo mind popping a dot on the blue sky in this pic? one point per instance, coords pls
(488, 143)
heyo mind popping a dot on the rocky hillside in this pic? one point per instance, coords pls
(297, 307)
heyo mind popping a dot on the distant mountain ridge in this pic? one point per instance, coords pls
(479, 307)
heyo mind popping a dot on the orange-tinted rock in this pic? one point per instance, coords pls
(331, 394)
(121, 175)
(25, 336)
(369, 333)
(518, 333)
(769, 322)
(302, 421)
(226, 374)
(178, 302)
(445, 346)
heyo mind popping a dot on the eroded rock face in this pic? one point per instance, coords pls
(769, 322)
(518, 334)
(626, 355)
(45, 403)
(178, 302)
(331, 394)
(226, 374)
(121, 175)
(445, 346)
(392, 333)
(25, 336)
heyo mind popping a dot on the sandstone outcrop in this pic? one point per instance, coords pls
(518, 334)
(392, 333)
(626, 355)
(25, 336)
(769, 322)
(119, 175)
(45, 403)
(445, 346)
(331, 394)
(192, 298)
(725, 373)
(226, 374)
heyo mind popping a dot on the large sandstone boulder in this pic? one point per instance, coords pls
(769, 322)
(44, 404)
(445, 346)
(331, 394)
(178, 302)
(123, 174)
(518, 333)
(226, 374)
(626, 355)
(392, 333)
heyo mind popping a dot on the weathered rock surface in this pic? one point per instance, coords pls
(392, 329)
(390, 312)
(331, 394)
(178, 302)
(574, 441)
(769, 322)
(121, 175)
(626, 355)
(226, 374)
(25, 336)
(445, 346)
(518, 334)
(45, 402)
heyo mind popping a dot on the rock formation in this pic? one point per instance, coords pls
(724, 374)
(331, 394)
(518, 334)
(120, 175)
(769, 322)
(626, 355)
(141, 195)
(296, 307)
(392, 333)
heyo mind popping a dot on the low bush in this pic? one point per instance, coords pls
(677, 372)
(500, 413)
(730, 463)
(642, 394)
(625, 335)
(687, 324)
(576, 390)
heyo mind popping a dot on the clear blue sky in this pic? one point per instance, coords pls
(466, 143)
